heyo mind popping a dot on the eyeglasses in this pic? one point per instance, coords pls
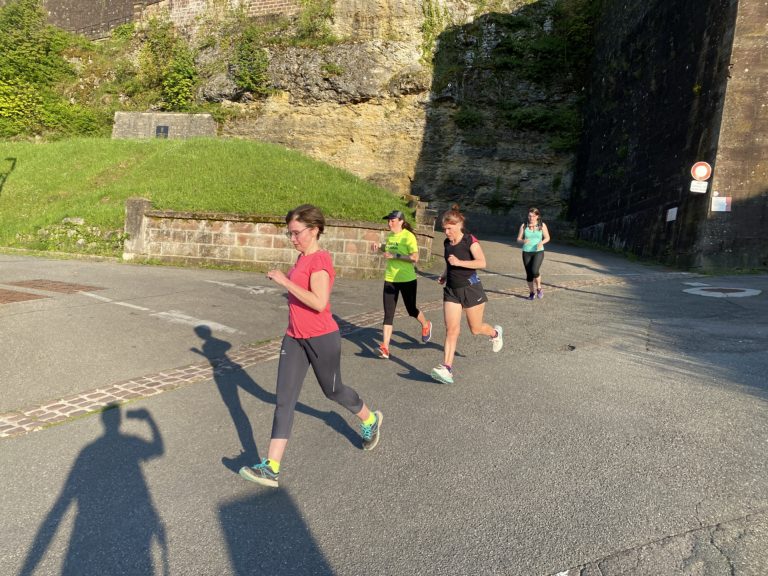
(295, 233)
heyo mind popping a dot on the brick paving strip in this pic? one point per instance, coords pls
(56, 411)
(54, 286)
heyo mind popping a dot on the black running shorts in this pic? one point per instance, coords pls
(467, 296)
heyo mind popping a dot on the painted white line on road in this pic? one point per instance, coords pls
(177, 317)
(697, 284)
(134, 306)
(110, 301)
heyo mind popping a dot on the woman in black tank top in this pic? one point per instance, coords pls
(462, 291)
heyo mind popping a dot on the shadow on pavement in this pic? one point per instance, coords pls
(368, 340)
(231, 378)
(265, 534)
(116, 523)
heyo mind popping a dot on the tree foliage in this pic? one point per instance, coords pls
(31, 63)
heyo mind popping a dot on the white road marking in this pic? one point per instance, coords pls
(177, 317)
(110, 301)
(715, 292)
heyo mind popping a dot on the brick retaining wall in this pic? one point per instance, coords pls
(251, 241)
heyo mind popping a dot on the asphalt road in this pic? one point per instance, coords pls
(622, 430)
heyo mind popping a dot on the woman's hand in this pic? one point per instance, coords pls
(441, 279)
(277, 277)
(453, 261)
(375, 246)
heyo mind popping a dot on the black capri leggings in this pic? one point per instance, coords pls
(391, 291)
(532, 262)
(323, 353)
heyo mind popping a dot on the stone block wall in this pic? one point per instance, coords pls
(93, 18)
(172, 125)
(739, 238)
(675, 83)
(184, 13)
(251, 241)
(96, 18)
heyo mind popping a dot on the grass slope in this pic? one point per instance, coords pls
(43, 183)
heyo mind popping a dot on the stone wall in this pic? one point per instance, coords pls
(369, 106)
(93, 18)
(675, 83)
(96, 18)
(739, 238)
(172, 125)
(251, 241)
(185, 13)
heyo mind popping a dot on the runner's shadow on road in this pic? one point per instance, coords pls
(117, 529)
(231, 378)
(368, 340)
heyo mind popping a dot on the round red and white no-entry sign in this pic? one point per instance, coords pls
(701, 171)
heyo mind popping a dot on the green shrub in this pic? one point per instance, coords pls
(330, 69)
(251, 62)
(548, 119)
(436, 19)
(31, 49)
(467, 117)
(20, 106)
(179, 79)
(123, 33)
(156, 51)
(312, 26)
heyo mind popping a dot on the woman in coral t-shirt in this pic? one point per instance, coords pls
(312, 339)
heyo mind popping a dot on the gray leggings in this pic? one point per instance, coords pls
(323, 353)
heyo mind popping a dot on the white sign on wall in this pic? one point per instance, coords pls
(672, 214)
(721, 203)
(698, 186)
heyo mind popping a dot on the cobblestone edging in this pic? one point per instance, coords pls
(46, 414)
(53, 412)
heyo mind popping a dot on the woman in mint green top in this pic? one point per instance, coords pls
(533, 235)
(402, 253)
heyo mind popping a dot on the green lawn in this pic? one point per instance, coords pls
(43, 183)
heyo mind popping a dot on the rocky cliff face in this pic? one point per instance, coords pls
(374, 105)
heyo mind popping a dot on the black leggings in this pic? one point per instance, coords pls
(391, 291)
(532, 262)
(323, 353)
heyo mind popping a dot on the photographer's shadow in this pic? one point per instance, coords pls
(230, 378)
(116, 523)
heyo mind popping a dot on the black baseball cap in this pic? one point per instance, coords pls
(394, 214)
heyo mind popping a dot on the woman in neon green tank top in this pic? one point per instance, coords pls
(402, 253)
(533, 235)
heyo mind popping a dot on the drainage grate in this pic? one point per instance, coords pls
(10, 296)
(54, 286)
